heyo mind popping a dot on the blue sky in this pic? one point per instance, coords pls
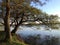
(52, 7)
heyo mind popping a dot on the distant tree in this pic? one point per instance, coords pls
(54, 19)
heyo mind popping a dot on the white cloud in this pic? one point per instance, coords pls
(56, 13)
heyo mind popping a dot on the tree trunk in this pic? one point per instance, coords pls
(6, 21)
(17, 26)
(15, 29)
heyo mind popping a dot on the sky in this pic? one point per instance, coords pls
(51, 7)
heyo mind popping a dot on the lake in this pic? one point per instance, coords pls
(43, 31)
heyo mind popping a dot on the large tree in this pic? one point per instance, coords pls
(6, 21)
(19, 9)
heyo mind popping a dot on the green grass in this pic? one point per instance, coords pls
(14, 41)
(2, 35)
(1, 28)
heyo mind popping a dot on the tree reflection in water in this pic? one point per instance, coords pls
(37, 40)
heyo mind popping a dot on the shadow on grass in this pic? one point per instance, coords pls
(2, 36)
(15, 40)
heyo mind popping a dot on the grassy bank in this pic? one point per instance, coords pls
(14, 41)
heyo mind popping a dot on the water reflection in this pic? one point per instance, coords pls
(37, 40)
(44, 32)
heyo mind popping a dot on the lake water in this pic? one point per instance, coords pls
(43, 31)
(34, 30)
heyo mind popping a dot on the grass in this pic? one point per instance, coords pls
(2, 35)
(1, 28)
(14, 41)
